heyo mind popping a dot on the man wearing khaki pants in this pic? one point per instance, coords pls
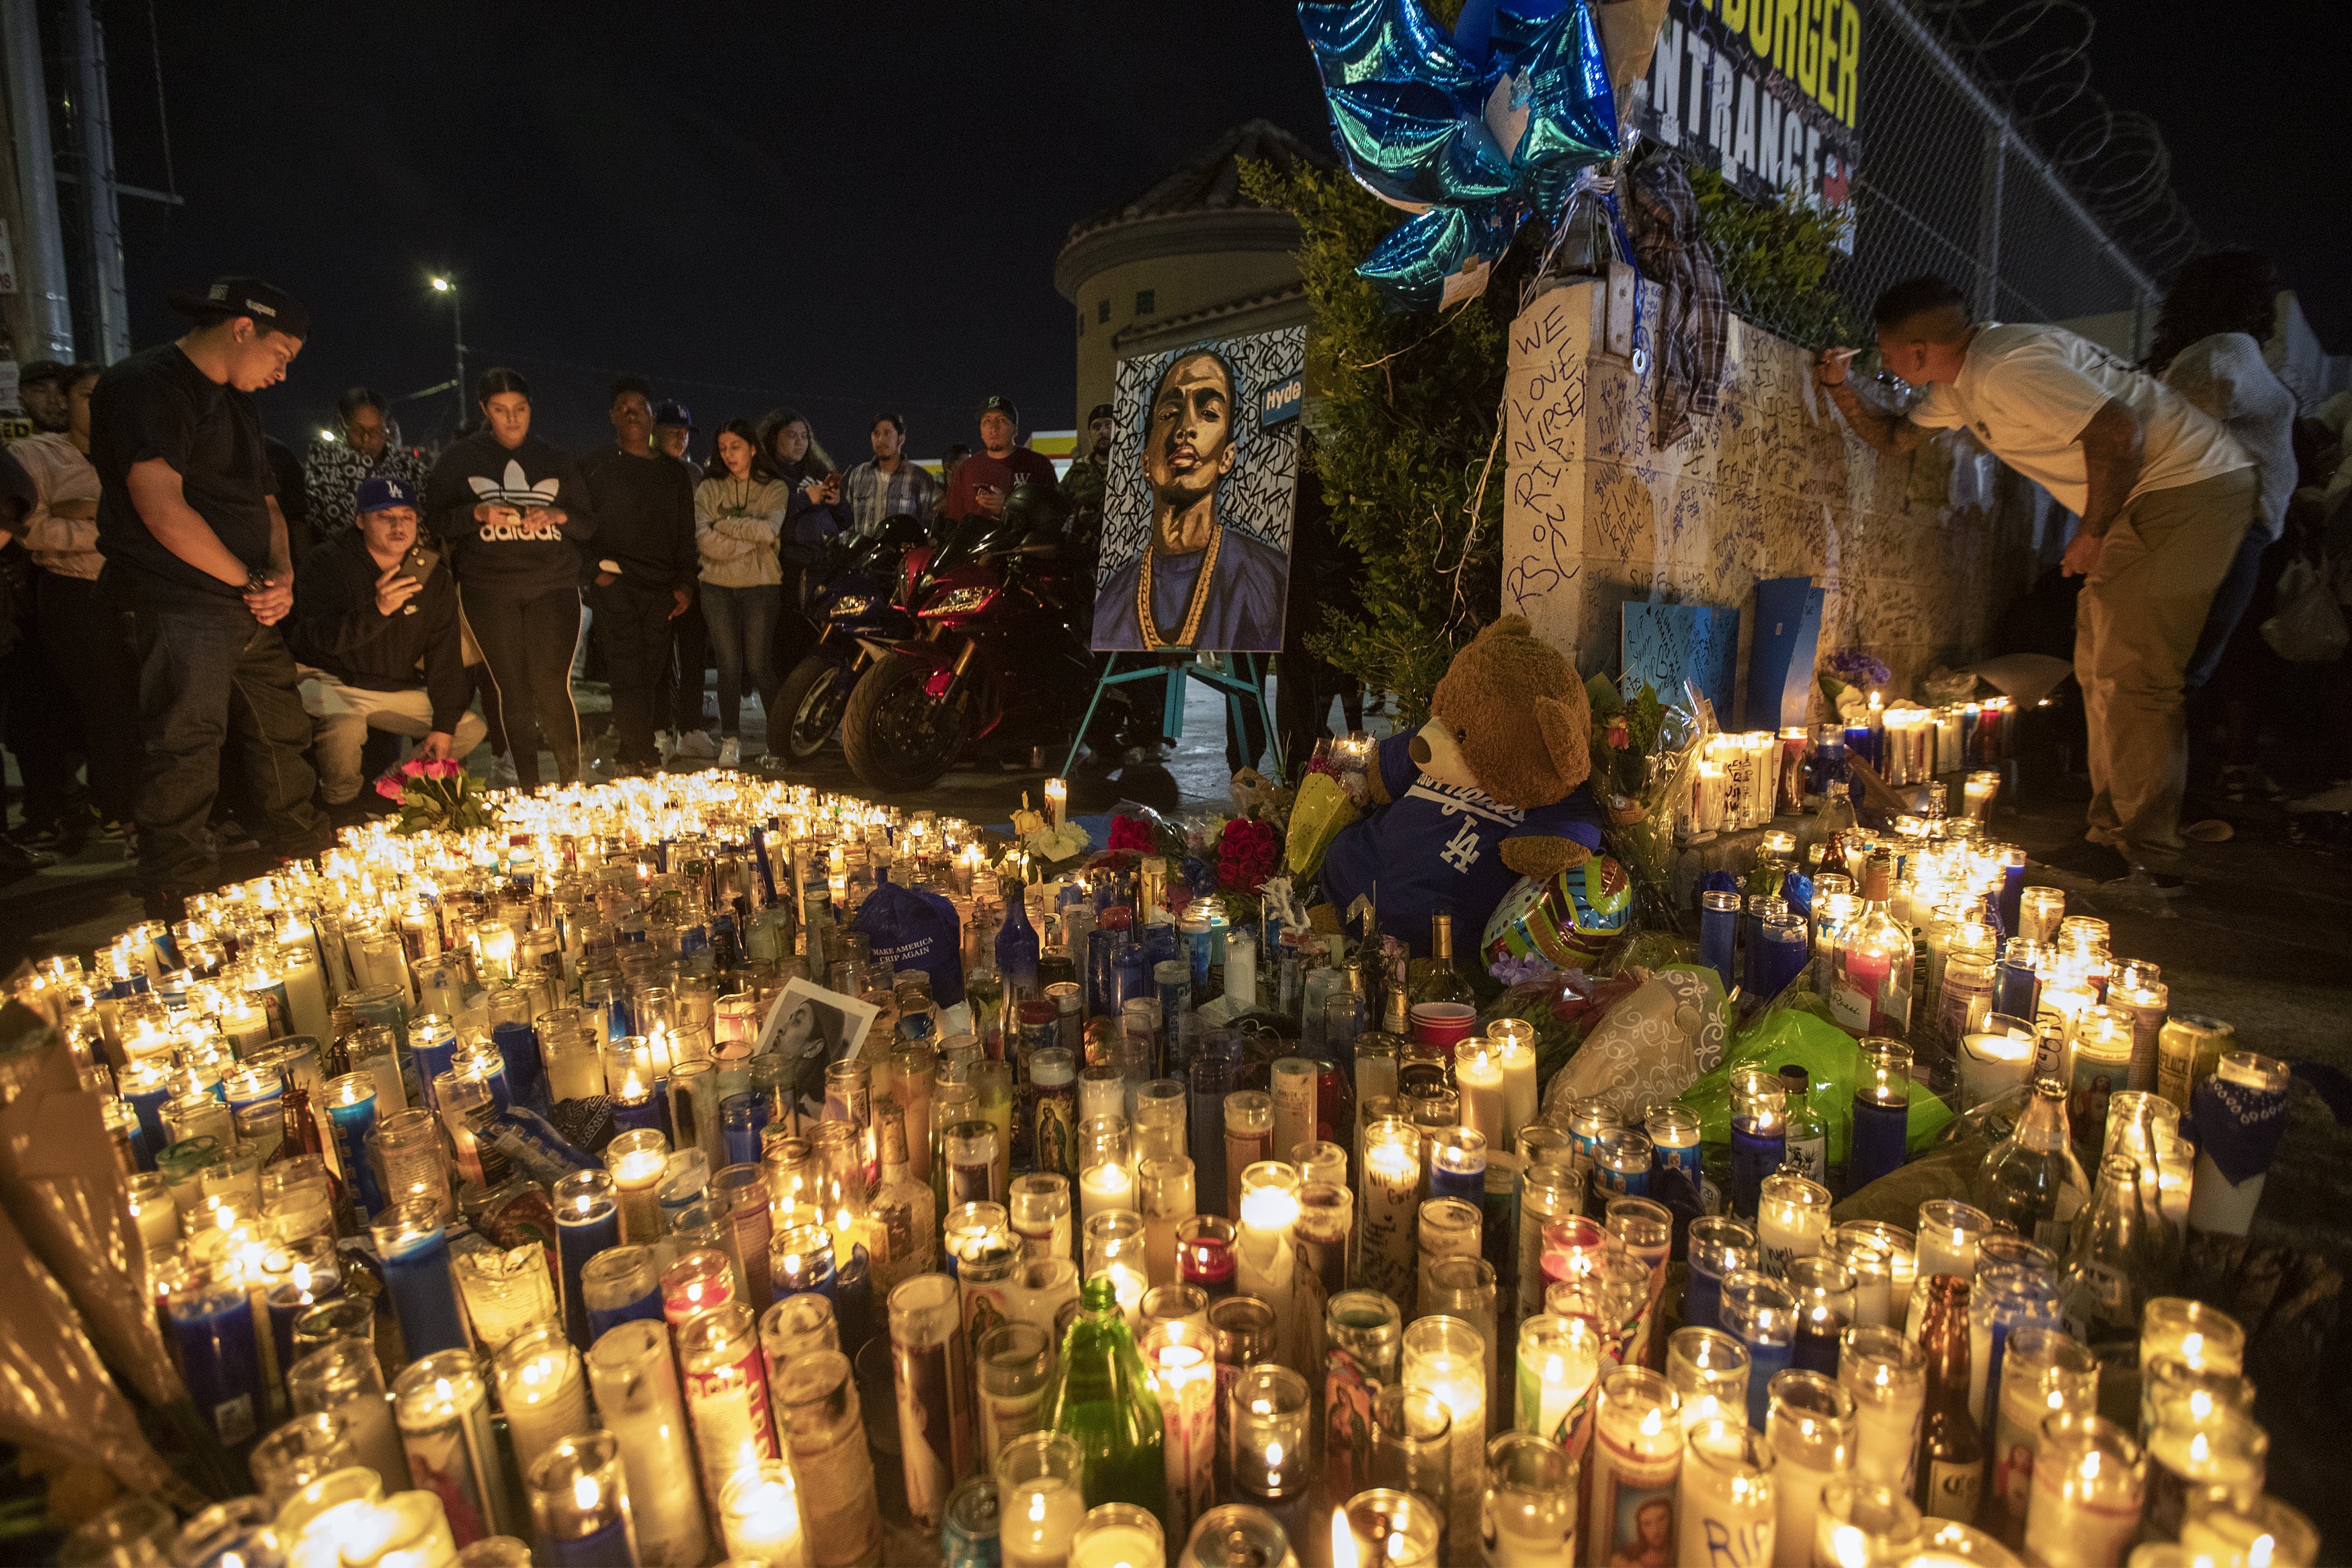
(2164, 495)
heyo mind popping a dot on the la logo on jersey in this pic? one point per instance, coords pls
(1463, 849)
(516, 490)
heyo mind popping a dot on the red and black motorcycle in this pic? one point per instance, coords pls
(1001, 666)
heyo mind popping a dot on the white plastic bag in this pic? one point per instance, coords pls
(2307, 626)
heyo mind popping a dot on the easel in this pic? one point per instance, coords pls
(1241, 689)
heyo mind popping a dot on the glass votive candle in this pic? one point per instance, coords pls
(1708, 1371)
(1812, 1429)
(1726, 1498)
(1636, 1456)
(2265, 1532)
(1792, 1220)
(579, 1500)
(1761, 1314)
(2042, 1372)
(299, 1452)
(1886, 1373)
(2087, 1492)
(2198, 1451)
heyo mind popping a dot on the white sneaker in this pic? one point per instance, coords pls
(693, 743)
(666, 743)
(731, 752)
(500, 774)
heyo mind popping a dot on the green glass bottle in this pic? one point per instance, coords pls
(1104, 1401)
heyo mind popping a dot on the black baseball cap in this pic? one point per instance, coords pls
(264, 301)
(1101, 411)
(33, 372)
(999, 404)
(672, 413)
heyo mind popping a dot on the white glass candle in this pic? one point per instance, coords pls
(1811, 1430)
(2089, 1482)
(1040, 1502)
(635, 1384)
(1392, 1193)
(1792, 1220)
(760, 1515)
(1478, 1079)
(543, 1392)
(1118, 1535)
(1265, 1253)
(1887, 1375)
(1725, 1506)
(637, 1160)
(1637, 1456)
(1558, 1359)
(1445, 1356)
(1515, 1052)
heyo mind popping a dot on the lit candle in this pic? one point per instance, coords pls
(342, 1378)
(579, 1502)
(1040, 1502)
(1637, 1454)
(415, 1250)
(1445, 1356)
(1725, 1507)
(636, 1382)
(1392, 1195)
(2041, 1372)
(726, 1394)
(443, 1408)
(1057, 802)
(1513, 1046)
(1887, 1376)
(587, 1221)
(1265, 1258)
(1792, 1220)
(1166, 1194)
(1761, 1314)
(542, 1393)
(760, 1515)
(636, 1161)
(1759, 1134)
(1118, 1535)
(2089, 1485)
(1558, 1358)
(1478, 1079)
(1528, 1507)
(1810, 1430)
(2197, 1449)
(2217, 1202)
(1994, 1059)
(1184, 1375)
(1947, 1237)
(350, 1113)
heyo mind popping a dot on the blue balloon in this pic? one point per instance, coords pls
(1473, 133)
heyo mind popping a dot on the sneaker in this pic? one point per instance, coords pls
(500, 774)
(666, 743)
(2092, 861)
(730, 751)
(695, 745)
(2336, 797)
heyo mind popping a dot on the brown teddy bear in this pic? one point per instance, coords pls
(1490, 790)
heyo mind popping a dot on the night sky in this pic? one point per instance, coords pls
(837, 206)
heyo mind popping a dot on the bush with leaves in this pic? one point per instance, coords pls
(1776, 257)
(1408, 444)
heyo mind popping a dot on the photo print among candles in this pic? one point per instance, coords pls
(813, 1028)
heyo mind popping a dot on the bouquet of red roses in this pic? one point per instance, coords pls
(1247, 854)
(435, 796)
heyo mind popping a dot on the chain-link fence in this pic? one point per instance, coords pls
(1948, 183)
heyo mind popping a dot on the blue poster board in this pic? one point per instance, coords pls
(1667, 644)
(1788, 645)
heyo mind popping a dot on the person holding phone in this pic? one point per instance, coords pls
(815, 515)
(375, 640)
(983, 482)
(513, 510)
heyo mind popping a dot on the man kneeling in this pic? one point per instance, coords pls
(375, 633)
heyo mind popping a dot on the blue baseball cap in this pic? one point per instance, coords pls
(384, 490)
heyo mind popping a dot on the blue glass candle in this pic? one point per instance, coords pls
(1882, 1111)
(146, 1084)
(1786, 948)
(1212, 1080)
(684, 1182)
(1717, 1247)
(1016, 945)
(1106, 949)
(350, 1113)
(1457, 1165)
(518, 1046)
(1759, 1135)
(1621, 1163)
(1674, 1134)
(211, 1325)
(1158, 944)
(2012, 885)
(1760, 1313)
(304, 1273)
(1823, 1289)
(1761, 908)
(415, 1250)
(1718, 933)
(2017, 981)
(742, 1118)
(619, 1285)
(433, 1046)
(579, 1504)
(485, 1066)
(587, 1221)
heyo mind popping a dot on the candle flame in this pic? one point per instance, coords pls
(585, 1493)
(1343, 1540)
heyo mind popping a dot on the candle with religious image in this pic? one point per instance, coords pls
(1636, 1457)
(442, 1406)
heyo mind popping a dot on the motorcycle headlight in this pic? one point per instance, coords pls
(853, 604)
(960, 600)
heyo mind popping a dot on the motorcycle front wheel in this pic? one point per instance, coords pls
(809, 706)
(896, 736)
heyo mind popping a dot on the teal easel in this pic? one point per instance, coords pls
(1240, 691)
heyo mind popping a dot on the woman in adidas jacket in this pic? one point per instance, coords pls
(510, 509)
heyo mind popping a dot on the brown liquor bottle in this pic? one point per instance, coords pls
(1952, 1449)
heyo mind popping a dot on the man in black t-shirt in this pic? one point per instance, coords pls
(646, 566)
(196, 548)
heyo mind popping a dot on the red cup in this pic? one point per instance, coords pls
(1444, 1024)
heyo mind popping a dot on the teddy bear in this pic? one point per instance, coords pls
(1492, 788)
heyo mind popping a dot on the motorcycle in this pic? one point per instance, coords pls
(857, 602)
(1001, 664)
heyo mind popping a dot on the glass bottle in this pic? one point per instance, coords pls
(301, 1137)
(2031, 1179)
(1443, 983)
(1952, 1449)
(1104, 1400)
(1016, 946)
(1872, 994)
(2109, 1272)
(904, 1217)
(1808, 1145)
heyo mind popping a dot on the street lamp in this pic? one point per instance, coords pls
(457, 328)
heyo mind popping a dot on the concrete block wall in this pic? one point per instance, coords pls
(1917, 554)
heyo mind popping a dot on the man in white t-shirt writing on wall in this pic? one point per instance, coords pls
(2164, 495)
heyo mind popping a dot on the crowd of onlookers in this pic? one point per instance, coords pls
(211, 643)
